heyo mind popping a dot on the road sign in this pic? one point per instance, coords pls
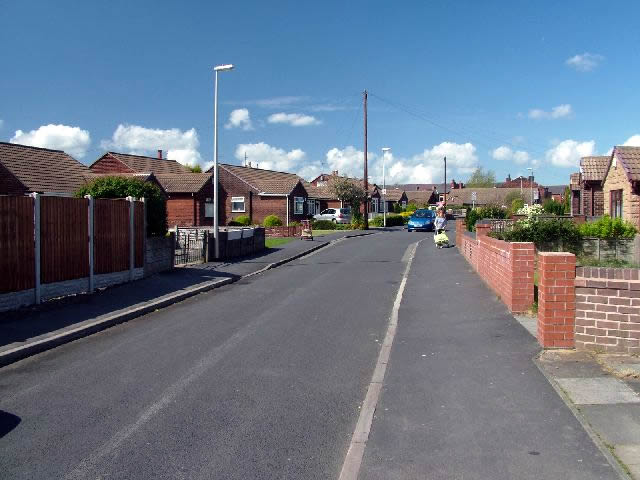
(384, 191)
(474, 196)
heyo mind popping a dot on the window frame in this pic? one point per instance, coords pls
(615, 203)
(298, 201)
(237, 200)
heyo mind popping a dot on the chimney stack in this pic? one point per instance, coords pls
(335, 172)
(160, 154)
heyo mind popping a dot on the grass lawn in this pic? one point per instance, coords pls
(319, 233)
(271, 242)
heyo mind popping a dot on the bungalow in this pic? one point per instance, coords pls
(424, 197)
(555, 192)
(587, 197)
(25, 169)
(393, 196)
(189, 198)
(320, 198)
(483, 196)
(257, 193)
(621, 186)
(113, 162)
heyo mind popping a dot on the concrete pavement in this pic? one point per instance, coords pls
(266, 379)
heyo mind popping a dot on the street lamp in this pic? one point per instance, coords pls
(216, 220)
(384, 187)
(531, 183)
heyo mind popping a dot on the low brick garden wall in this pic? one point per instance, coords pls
(507, 268)
(607, 309)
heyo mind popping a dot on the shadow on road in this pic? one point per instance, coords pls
(8, 421)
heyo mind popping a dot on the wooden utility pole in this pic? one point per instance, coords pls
(366, 178)
(445, 183)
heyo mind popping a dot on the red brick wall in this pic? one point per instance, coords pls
(9, 184)
(608, 309)
(593, 200)
(556, 299)
(181, 210)
(108, 164)
(507, 268)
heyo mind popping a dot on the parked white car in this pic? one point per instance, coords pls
(335, 215)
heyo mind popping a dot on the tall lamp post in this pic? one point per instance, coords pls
(216, 220)
(531, 182)
(384, 187)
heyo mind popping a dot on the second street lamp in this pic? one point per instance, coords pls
(216, 219)
(384, 187)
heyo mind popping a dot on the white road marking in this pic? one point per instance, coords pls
(353, 460)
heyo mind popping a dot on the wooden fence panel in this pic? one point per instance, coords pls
(111, 235)
(17, 255)
(139, 234)
(64, 236)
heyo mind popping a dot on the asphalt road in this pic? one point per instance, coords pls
(265, 379)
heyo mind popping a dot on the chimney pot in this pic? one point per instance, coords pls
(160, 154)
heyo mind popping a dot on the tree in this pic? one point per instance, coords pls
(567, 201)
(195, 168)
(349, 193)
(482, 178)
(122, 187)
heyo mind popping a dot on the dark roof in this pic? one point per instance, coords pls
(594, 168)
(484, 196)
(140, 163)
(630, 159)
(320, 193)
(44, 170)
(556, 189)
(393, 194)
(183, 182)
(409, 187)
(264, 181)
(419, 196)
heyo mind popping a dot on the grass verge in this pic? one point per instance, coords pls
(271, 242)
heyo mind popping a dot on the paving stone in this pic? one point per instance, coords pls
(617, 424)
(598, 391)
(629, 454)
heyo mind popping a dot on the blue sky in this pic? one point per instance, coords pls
(503, 85)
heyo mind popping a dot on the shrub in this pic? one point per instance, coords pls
(323, 225)
(608, 227)
(544, 233)
(243, 220)
(395, 220)
(122, 187)
(412, 207)
(294, 224)
(376, 222)
(553, 207)
(531, 211)
(517, 204)
(272, 221)
(490, 211)
(397, 208)
(233, 223)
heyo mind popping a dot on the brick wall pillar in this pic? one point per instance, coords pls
(522, 271)
(556, 299)
(482, 229)
(460, 229)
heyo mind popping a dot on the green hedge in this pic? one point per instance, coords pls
(122, 187)
(608, 227)
(272, 221)
(392, 221)
(544, 233)
(490, 211)
(323, 225)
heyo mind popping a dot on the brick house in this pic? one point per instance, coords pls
(25, 169)
(257, 193)
(394, 196)
(621, 187)
(483, 196)
(113, 162)
(189, 198)
(587, 196)
(423, 197)
(324, 180)
(320, 198)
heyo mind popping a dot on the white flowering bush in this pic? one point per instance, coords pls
(531, 210)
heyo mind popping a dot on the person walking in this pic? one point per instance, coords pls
(440, 224)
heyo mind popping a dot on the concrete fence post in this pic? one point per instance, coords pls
(36, 238)
(90, 246)
(132, 239)
(144, 230)
(556, 299)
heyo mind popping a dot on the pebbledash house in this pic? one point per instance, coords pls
(257, 193)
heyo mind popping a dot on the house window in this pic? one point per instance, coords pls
(208, 208)
(298, 207)
(374, 205)
(404, 204)
(237, 204)
(616, 203)
(312, 207)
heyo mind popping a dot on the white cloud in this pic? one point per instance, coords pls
(633, 141)
(585, 62)
(180, 145)
(560, 111)
(507, 154)
(568, 153)
(293, 119)
(271, 158)
(72, 140)
(239, 118)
